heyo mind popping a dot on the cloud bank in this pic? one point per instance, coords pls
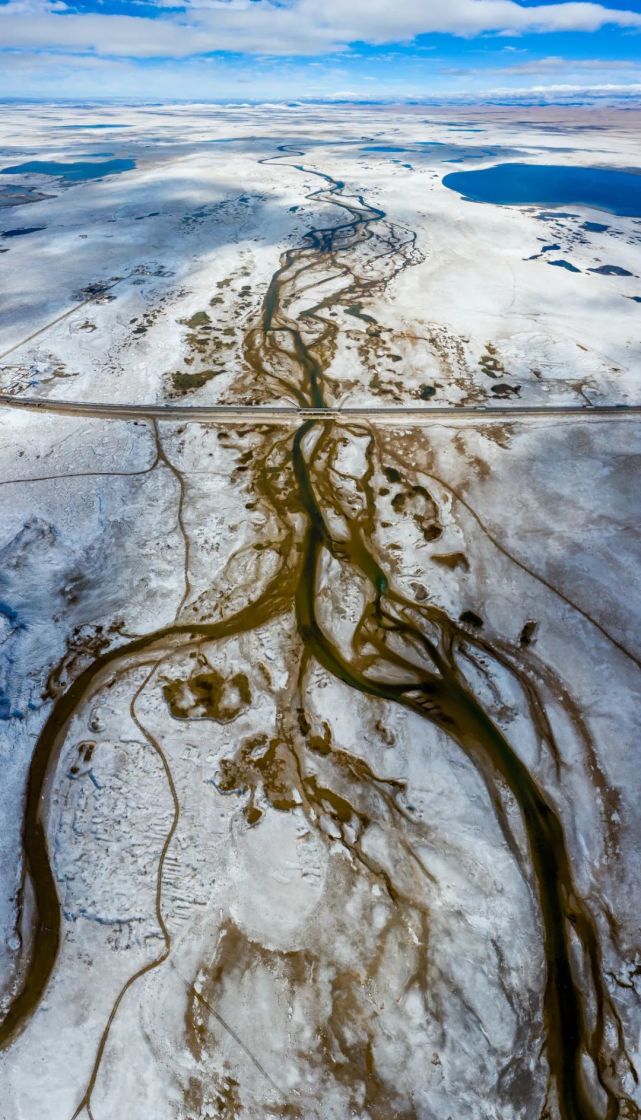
(294, 27)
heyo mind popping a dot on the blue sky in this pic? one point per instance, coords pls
(287, 49)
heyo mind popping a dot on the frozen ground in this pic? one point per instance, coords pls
(201, 219)
(320, 787)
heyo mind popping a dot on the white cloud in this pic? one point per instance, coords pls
(386, 21)
(32, 7)
(300, 27)
(55, 74)
(559, 91)
(551, 64)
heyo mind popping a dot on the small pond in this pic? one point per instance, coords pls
(22, 232)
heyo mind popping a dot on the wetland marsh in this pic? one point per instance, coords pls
(321, 727)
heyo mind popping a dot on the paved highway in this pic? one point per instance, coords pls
(273, 414)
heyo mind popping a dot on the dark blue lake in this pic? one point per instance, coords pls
(22, 232)
(509, 184)
(76, 126)
(72, 171)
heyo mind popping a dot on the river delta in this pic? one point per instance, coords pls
(319, 606)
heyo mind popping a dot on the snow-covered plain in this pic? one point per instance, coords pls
(292, 879)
